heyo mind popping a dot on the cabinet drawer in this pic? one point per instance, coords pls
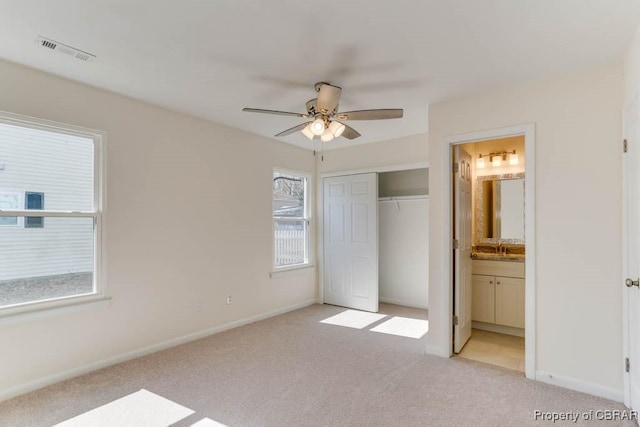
(498, 268)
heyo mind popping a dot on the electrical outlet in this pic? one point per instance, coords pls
(228, 299)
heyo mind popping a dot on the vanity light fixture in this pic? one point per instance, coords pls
(496, 158)
(513, 158)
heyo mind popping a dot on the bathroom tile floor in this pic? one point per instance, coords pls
(496, 349)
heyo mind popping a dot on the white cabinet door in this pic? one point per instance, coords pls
(483, 296)
(510, 301)
(351, 241)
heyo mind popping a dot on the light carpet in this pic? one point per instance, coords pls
(294, 370)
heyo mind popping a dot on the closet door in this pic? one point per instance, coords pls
(350, 268)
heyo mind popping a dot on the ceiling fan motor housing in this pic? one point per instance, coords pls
(311, 108)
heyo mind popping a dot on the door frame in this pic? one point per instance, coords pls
(320, 209)
(528, 131)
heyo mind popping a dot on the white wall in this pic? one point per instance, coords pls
(170, 265)
(410, 182)
(403, 248)
(401, 151)
(632, 70)
(578, 209)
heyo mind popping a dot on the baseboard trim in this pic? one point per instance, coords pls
(403, 303)
(491, 327)
(437, 351)
(84, 369)
(581, 386)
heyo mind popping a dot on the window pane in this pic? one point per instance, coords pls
(34, 222)
(39, 161)
(34, 201)
(288, 195)
(9, 200)
(44, 263)
(290, 241)
(8, 220)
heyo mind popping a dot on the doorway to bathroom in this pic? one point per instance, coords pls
(492, 240)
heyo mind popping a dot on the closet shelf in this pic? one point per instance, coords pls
(400, 198)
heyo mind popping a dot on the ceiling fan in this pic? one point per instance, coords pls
(326, 120)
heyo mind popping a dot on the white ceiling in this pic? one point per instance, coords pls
(210, 58)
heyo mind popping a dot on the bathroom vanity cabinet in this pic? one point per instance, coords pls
(498, 294)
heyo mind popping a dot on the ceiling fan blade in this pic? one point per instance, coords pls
(293, 129)
(328, 98)
(350, 133)
(387, 113)
(279, 113)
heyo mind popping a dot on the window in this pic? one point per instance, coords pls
(34, 201)
(291, 220)
(57, 263)
(9, 201)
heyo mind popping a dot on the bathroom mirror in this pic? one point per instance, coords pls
(499, 208)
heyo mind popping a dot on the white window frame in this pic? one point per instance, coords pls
(97, 213)
(306, 218)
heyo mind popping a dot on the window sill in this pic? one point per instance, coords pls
(51, 308)
(286, 271)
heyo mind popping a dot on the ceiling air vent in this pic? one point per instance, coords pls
(63, 48)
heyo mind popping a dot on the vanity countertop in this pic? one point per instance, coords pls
(497, 257)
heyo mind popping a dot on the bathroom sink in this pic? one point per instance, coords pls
(497, 257)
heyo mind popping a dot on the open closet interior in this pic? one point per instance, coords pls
(403, 232)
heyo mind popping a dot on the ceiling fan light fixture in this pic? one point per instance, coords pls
(307, 131)
(327, 136)
(317, 126)
(336, 128)
(321, 112)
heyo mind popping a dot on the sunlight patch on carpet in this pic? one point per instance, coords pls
(404, 327)
(354, 319)
(139, 409)
(208, 422)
